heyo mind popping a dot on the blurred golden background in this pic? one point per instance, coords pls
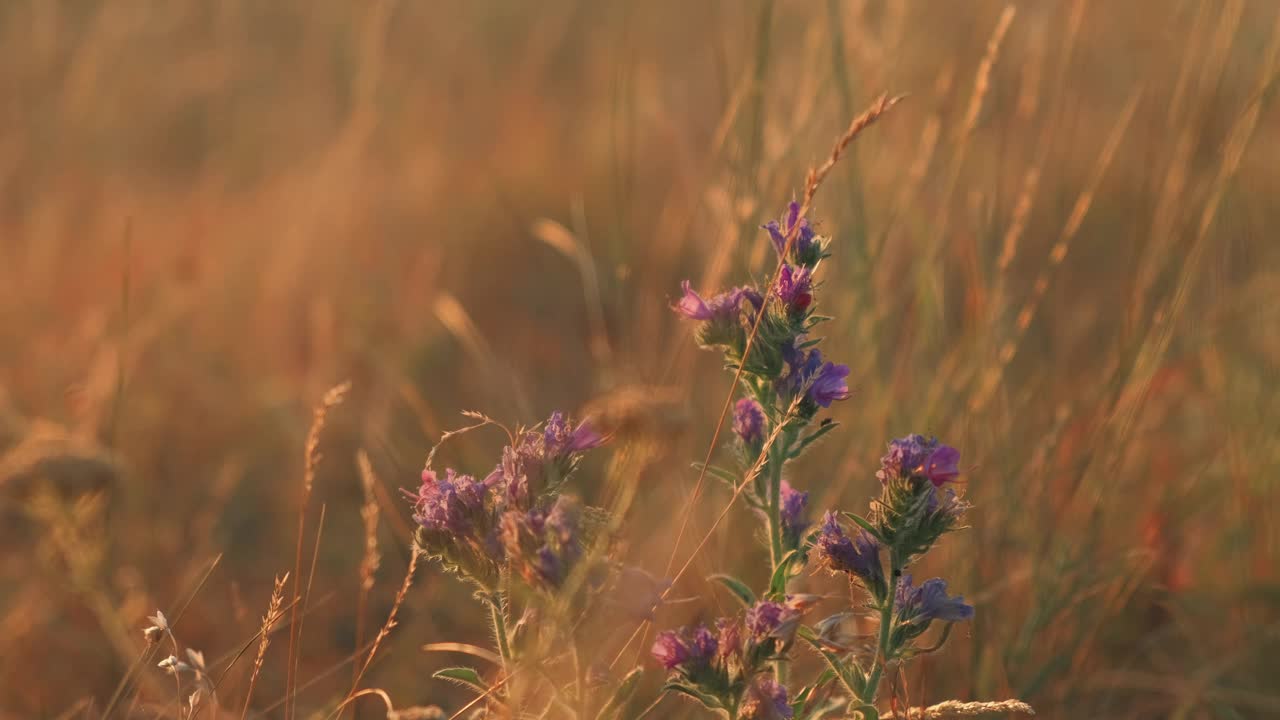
(1059, 254)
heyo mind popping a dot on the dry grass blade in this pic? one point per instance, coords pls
(466, 648)
(1057, 253)
(878, 108)
(575, 250)
(982, 82)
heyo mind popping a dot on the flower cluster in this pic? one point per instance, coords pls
(916, 506)
(727, 669)
(543, 546)
(787, 380)
(511, 519)
(858, 556)
(793, 513)
(807, 248)
(537, 462)
(917, 456)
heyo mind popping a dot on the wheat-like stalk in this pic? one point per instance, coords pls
(371, 560)
(957, 709)
(268, 621)
(391, 616)
(332, 399)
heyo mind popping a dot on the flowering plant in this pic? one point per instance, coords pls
(742, 670)
(515, 531)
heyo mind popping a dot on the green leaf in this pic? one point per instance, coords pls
(737, 587)
(865, 525)
(850, 675)
(709, 702)
(719, 473)
(813, 437)
(946, 633)
(778, 583)
(800, 705)
(625, 690)
(462, 676)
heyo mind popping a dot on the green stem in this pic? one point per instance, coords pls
(886, 624)
(498, 618)
(775, 509)
(777, 455)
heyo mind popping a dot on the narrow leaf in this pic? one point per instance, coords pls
(865, 525)
(463, 648)
(707, 701)
(813, 437)
(850, 675)
(462, 676)
(737, 587)
(728, 478)
(778, 583)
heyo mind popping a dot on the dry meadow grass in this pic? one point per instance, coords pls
(1059, 252)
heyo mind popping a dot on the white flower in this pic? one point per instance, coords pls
(197, 659)
(173, 665)
(159, 620)
(159, 626)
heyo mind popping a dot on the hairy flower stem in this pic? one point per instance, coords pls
(886, 623)
(498, 618)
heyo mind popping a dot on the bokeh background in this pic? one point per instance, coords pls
(1059, 253)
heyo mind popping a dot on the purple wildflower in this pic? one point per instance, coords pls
(687, 649)
(767, 619)
(805, 236)
(519, 474)
(670, 649)
(730, 637)
(829, 384)
(793, 508)
(825, 380)
(717, 308)
(859, 555)
(945, 501)
(795, 288)
(748, 421)
(705, 644)
(563, 521)
(561, 438)
(448, 504)
(905, 455)
(941, 465)
(549, 566)
(929, 602)
(766, 700)
(920, 456)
